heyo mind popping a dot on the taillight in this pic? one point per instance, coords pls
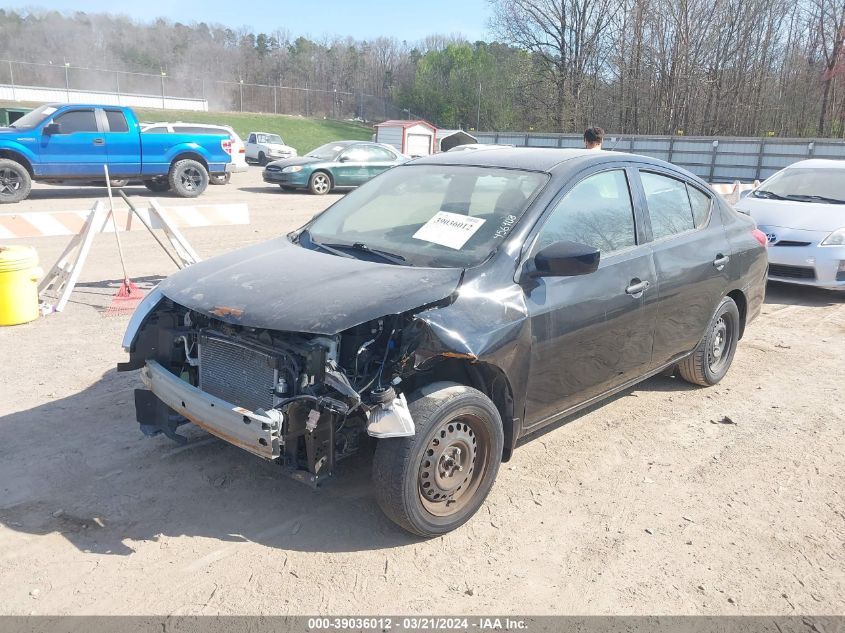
(242, 150)
(760, 237)
(226, 144)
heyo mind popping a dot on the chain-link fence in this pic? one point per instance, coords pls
(219, 95)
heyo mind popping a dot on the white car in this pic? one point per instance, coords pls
(263, 147)
(238, 150)
(466, 147)
(801, 209)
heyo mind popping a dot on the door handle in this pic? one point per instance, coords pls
(637, 287)
(99, 141)
(720, 261)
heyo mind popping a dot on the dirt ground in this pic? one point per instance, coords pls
(668, 499)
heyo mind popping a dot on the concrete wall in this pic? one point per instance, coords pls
(58, 95)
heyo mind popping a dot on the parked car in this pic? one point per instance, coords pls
(802, 211)
(262, 147)
(450, 307)
(338, 164)
(72, 142)
(238, 163)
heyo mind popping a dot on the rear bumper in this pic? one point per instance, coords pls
(259, 434)
(236, 168)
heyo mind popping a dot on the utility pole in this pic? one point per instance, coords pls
(242, 94)
(478, 112)
(67, 81)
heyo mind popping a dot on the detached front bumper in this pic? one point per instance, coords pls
(294, 179)
(236, 168)
(818, 266)
(259, 434)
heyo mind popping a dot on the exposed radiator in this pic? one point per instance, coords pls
(242, 375)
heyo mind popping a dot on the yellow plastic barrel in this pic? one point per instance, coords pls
(19, 274)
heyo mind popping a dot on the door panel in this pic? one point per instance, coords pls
(691, 279)
(593, 332)
(78, 151)
(122, 146)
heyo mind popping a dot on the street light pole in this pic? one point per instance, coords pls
(67, 81)
(478, 112)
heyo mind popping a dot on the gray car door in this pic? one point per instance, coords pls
(691, 253)
(594, 332)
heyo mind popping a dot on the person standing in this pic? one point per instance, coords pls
(593, 137)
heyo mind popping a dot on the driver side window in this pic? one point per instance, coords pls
(77, 121)
(597, 212)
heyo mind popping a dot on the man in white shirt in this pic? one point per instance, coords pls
(593, 137)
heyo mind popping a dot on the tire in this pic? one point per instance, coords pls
(220, 179)
(15, 181)
(262, 159)
(320, 183)
(447, 416)
(157, 185)
(188, 178)
(710, 361)
(288, 188)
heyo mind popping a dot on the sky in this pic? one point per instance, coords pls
(360, 19)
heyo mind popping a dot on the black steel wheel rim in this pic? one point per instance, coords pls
(454, 464)
(11, 182)
(719, 343)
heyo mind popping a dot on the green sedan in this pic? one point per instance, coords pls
(339, 164)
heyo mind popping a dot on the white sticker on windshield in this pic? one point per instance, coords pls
(49, 111)
(449, 229)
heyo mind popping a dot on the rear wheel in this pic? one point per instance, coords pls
(157, 185)
(433, 482)
(320, 183)
(262, 159)
(220, 179)
(188, 178)
(711, 360)
(15, 182)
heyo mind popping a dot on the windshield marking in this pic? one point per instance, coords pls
(449, 229)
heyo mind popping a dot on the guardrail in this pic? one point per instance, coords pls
(713, 158)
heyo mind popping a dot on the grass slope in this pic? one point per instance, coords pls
(299, 132)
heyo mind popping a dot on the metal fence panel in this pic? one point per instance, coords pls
(717, 159)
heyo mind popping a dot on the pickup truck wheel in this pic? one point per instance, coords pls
(262, 159)
(157, 185)
(15, 182)
(711, 360)
(220, 179)
(433, 482)
(320, 183)
(188, 178)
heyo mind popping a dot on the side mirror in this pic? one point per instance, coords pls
(52, 128)
(563, 259)
(343, 159)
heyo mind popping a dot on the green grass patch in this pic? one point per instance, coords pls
(299, 132)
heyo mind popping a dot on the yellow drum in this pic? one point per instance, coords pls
(19, 274)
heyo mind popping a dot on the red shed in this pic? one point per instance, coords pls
(414, 138)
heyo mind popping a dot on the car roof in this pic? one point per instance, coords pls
(818, 163)
(532, 158)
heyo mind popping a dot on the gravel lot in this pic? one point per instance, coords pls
(667, 499)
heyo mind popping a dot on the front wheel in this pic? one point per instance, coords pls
(711, 360)
(262, 159)
(320, 183)
(15, 182)
(188, 178)
(433, 482)
(220, 179)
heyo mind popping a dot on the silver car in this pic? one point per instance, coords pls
(801, 209)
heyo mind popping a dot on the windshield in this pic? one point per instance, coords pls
(273, 139)
(31, 119)
(825, 185)
(441, 216)
(329, 151)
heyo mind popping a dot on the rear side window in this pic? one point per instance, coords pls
(117, 121)
(668, 205)
(156, 130)
(700, 206)
(77, 121)
(596, 212)
(187, 129)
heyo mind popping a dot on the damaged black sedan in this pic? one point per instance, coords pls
(448, 308)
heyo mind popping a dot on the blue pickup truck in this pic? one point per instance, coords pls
(72, 142)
